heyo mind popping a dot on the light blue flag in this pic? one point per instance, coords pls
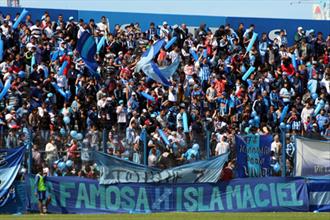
(168, 71)
(10, 162)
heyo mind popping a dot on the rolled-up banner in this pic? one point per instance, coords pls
(193, 54)
(163, 136)
(33, 61)
(319, 106)
(253, 39)
(100, 44)
(170, 43)
(185, 122)
(1, 49)
(284, 113)
(147, 96)
(59, 90)
(64, 64)
(248, 73)
(205, 53)
(20, 18)
(294, 62)
(5, 88)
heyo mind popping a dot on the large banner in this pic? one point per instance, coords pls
(79, 195)
(312, 157)
(10, 162)
(319, 194)
(115, 170)
(253, 155)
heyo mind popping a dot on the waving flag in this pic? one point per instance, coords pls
(156, 46)
(86, 47)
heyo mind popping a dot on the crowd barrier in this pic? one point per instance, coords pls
(274, 194)
(268, 25)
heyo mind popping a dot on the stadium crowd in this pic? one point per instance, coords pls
(111, 108)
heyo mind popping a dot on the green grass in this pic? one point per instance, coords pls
(180, 216)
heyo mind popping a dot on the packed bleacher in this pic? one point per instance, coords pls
(113, 108)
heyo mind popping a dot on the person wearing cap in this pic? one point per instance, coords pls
(299, 35)
(164, 31)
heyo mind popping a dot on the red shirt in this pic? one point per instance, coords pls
(288, 69)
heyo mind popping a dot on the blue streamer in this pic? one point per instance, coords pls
(204, 53)
(55, 55)
(248, 73)
(193, 54)
(61, 91)
(5, 88)
(185, 122)
(319, 106)
(64, 64)
(147, 96)
(253, 39)
(1, 49)
(100, 44)
(294, 61)
(284, 113)
(163, 136)
(33, 61)
(20, 18)
(170, 43)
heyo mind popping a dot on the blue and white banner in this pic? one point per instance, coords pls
(114, 170)
(319, 194)
(10, 162)
(253, 155)
(79, 195)
(312, 157)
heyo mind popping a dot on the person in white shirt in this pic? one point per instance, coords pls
(152, 158)
(286, 93)
(48, 30)
(103, 26)
(222, 147)
(36, 30)
(305, 113)
(121, 117)
(5, 29)
(276, 146)
(164, 31)
(51, 151)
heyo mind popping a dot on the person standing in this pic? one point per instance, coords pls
(41, 191)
